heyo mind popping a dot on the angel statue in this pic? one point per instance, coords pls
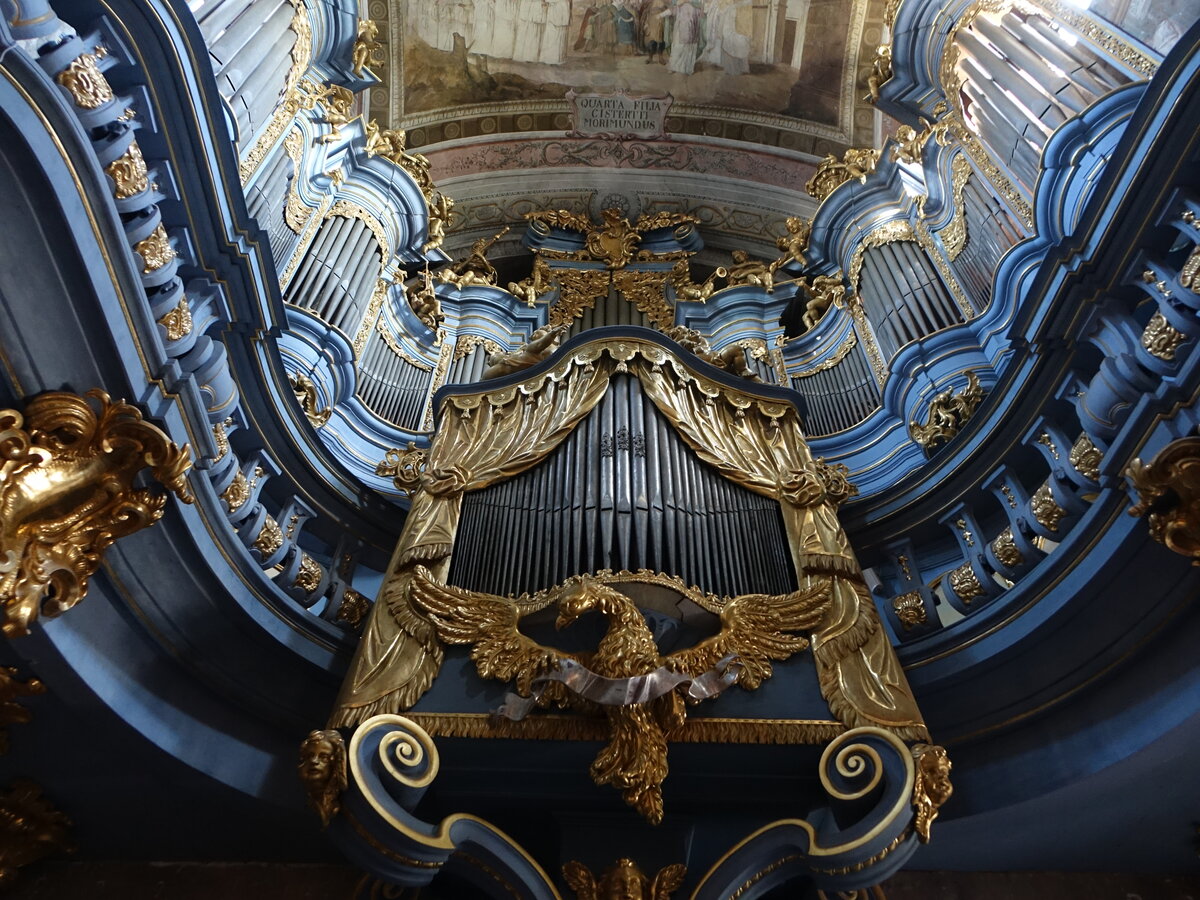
(623, 880)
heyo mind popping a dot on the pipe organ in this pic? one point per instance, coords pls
(838, 396)
(250, 44)
(903, 296)
(338, 273)
(266, 197)
(990, 233)
(390, 383)
(610, 309)
(623, 491)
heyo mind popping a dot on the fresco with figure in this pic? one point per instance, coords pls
(770, 56)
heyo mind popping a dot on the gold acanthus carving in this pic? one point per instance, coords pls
(646, 291)
(354, 211)
(306, 395)
(67, 493)
(237, 492)
(895, 230)
(221, 438)
(1085, 456)
(309, 575)
(948, 413)
(128, 172)
(295, 213)
(466, 345)
(954, 235)
(178, 321)
(439, 378)
(354, 608)
(1168, 496)
(393, 344)
(910, 609)
(578, 289)
(1189, 274)
(708, 730)
(302, 245)
(757, 628)
(931, 786)
(405, 468)
(294, 97)
(863, 327)
(374, 306)
(12, 712)
(965, 583)
(270, 537)
(832, 172)
(30, 829)
(623, 880)
(366, 51)
(1005, 548)
(614, 240)
(322, 771)
(1045, 509)
(85, 82)
(155, 250)
(1161, 339)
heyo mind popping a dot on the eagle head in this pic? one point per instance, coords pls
(578, 599)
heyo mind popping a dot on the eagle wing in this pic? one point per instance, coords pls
(489, 623)
(758, 628)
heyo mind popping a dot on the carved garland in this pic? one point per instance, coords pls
(954, 235)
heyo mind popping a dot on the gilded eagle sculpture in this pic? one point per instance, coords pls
(756, 629)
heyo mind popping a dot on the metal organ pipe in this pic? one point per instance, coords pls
(840, 396)
(623, 491)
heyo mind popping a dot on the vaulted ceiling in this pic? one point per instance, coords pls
(481, 86)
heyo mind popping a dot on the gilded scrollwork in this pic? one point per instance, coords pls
(270, 537)
(1006, 550)
(354, 608)
(405, 468)
(623, 880)
(1085, 456)
(306, 395)
(965, 583)
(466, 345)
(1045, 508)
(1161, 339)
(948, 412)
(836, 479)
(11, 711)
(578, 289)
(178, 321)
(67, 492)
(353, 211)
(374, 306)
(85, 82)
(309, 575)
(1189, 273)
(910, 609)
(954, 235)
(322, 771)
(842, 351)
(31, 828)
(155, 250)
(295, 213)
(236, 492)
(128, 172)
(931, 786)
(646, 291)
(1168, 496)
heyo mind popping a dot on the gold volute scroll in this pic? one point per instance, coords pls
(30, 829)
(931, 786)
(623, 880)
(948, 413)
(66, 494)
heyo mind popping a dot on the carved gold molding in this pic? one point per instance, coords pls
(467, 344)
(931, 786)
(887, 233)
(295, 213)
(306, 396)
(1168, 496)
(1161, 339)
(1085, 456)
(270, 537)
(155, 250)
(837, 356)
(645, 290)
(85, 82)
(1005, 548)
(954, 235)
(353, 211)
(178, 321)
(578, 289)
(832, 172)
(1045, 509)
(910, 609)
(128, 172)
(965, 583)
(67, 493)
(948, 413)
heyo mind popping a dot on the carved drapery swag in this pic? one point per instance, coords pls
(754, 441)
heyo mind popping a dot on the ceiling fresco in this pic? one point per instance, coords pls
(782, 73)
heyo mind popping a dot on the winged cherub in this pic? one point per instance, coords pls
(755, 629)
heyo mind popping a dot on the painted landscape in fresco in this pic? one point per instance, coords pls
(773, 56)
